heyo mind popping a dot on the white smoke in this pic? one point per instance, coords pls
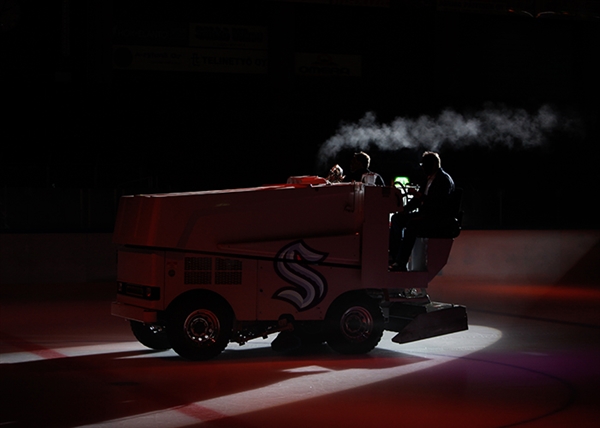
(490, 126)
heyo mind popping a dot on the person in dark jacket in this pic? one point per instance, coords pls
(428, 208)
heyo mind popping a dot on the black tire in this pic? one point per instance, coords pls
(151, 336)
(355, 325)
(200, 329)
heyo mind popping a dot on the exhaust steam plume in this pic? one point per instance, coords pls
(491, 126)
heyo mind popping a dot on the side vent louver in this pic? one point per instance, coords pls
(199, 271)
(228, 271)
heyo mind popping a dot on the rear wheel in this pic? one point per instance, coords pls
(151, 336)
(200, 329)
(355, 325)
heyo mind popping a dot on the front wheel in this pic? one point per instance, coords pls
(151, 336)
(200, 329)
(355, 325)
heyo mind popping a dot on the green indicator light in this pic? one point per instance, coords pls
(402, 180)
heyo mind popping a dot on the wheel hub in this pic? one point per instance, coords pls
(202, 327)
(356, 324)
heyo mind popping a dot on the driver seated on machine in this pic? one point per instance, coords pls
(427, 209)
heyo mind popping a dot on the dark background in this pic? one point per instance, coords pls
(77, 132)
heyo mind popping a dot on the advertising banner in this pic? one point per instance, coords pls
(189, 59)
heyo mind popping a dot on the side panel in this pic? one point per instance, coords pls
(277, 296)
(438, 251)
(379, 203)
(205, 220)
(231, 277)
(141, 266)
(307, 275)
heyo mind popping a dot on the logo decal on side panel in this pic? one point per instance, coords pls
(308, 286)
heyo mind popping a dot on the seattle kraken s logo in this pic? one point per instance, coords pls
(308, 286)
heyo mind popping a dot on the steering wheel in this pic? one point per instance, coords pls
(403, 191)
